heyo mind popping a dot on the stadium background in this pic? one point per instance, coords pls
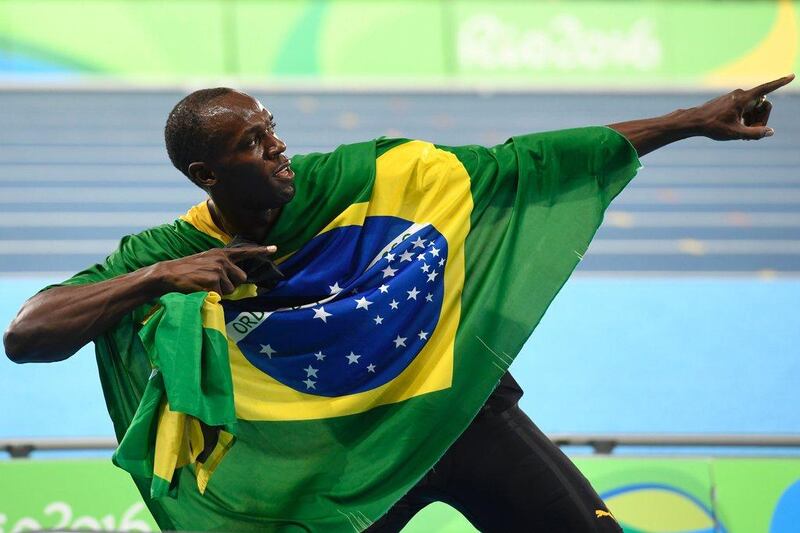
(681, 319)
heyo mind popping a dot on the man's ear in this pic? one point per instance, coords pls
(201, 175)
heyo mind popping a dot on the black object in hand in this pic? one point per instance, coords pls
(260, 271)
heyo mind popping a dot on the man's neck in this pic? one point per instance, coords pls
(252, 225)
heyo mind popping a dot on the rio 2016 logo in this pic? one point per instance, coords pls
(564, 44)
(60, 516)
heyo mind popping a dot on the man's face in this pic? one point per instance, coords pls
(246, 157)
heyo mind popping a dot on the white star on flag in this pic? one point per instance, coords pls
(383, 288)
(419, 243)
(393, 304)
(412, 294)
(378, 319)
(429, 297)
(319, 355)
(421, 256)
(423, 335)
(434, 251)
(406, 256)
(371, 368)
(390, 257)
(335, 288)
(268, 350)
(322, 314)
(432, 276)
(441, 261)
(352, 358)
(399, 341)
(309, 384)
(425, 267)
(311, 372)
(388, 272)
(363, 303)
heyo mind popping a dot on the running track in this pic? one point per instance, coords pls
(627, 347)
(80, 169)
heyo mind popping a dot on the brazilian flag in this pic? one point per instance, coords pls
(414, 273)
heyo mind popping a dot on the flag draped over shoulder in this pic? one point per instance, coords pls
(414, 274)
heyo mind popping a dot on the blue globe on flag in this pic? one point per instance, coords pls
(357, 306)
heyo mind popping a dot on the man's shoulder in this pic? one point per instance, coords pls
(309, 164)
(172, 240)
(190, 233)
(164, 242)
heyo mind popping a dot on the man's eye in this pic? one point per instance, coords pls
(272, 126)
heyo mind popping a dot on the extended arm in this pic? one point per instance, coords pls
(739, 114)
(56, 323)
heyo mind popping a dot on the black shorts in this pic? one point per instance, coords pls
(505, 475)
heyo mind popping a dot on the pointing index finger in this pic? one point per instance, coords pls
(242, 252)
(766, 88)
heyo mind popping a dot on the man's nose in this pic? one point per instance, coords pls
(276, 147)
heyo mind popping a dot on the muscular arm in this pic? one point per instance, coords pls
(56, 323)
(650, 134)
(739, 114)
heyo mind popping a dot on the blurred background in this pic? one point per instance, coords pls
(669, 364)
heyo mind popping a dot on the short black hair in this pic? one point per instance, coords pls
(185, 133)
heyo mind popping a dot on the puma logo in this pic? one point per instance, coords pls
(598, 513)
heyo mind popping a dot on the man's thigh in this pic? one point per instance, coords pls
(505, 475)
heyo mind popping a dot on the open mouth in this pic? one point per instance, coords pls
(284, 171)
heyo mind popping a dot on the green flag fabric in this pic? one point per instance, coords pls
(170, 432)
(414, 274)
